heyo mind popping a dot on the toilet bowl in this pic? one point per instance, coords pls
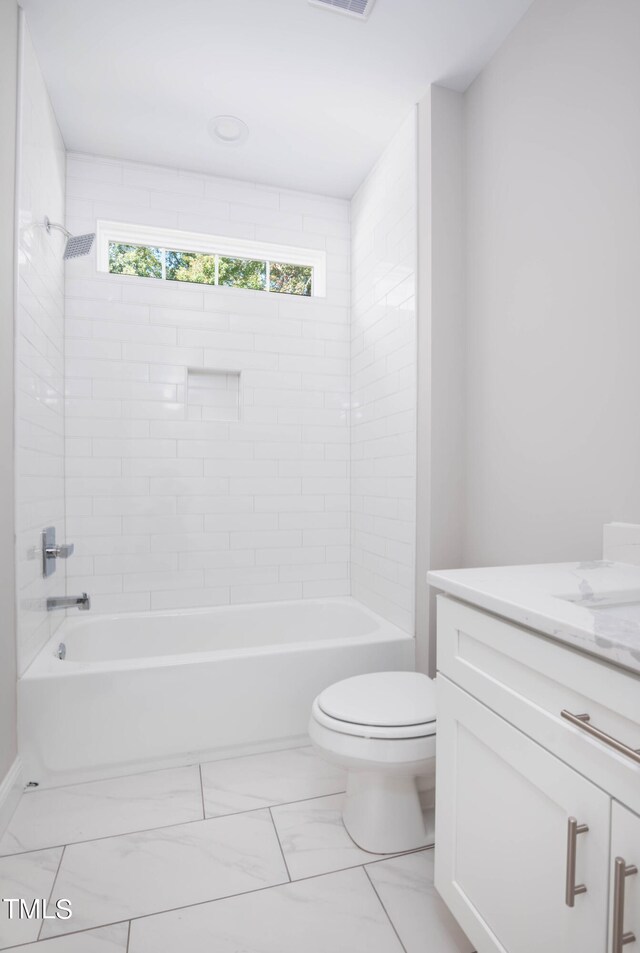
(382, 729)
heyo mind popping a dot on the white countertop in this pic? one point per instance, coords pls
(602, 618)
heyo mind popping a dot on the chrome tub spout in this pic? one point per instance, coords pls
(69, 602)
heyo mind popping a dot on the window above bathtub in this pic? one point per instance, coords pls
(167, 254)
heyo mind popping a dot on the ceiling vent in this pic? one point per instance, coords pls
(353, 8)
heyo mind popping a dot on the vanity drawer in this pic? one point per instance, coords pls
(529, 679)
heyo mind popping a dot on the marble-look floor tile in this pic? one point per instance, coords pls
(112, 939)
(103, 808)
(405, 887)
(313, 837)
(339, 913)
(30, 877)
(138, 874)
(242, 784)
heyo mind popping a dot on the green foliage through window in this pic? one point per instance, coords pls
(242, 273)
(191, 266)
(135, 260)
(199, 268)
(290, 279)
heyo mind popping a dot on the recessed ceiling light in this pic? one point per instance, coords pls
(229, 130)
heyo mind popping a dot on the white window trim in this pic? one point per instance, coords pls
(128, 234)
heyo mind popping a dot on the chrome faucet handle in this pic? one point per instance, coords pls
(52, 551)
(60, 552)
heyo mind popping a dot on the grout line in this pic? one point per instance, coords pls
(158, 913)
(128, 937)
(94, 840)
(164, 827)
(284, 859)
(48, 939)
(302, 800)
(244, 893)
(53, 887)
(393, 926)
(219, 817)
(204, 813)
(171, 767)
(326, 873)
(259, 754)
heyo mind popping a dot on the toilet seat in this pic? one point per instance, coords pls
(371, 731)
(384, 705)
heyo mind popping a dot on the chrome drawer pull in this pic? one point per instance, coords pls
(621, 872)
(572, 889)
(581, 721)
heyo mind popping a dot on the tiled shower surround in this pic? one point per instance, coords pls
(383, 382)
(169, 511)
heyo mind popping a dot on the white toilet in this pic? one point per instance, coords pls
(382, 729)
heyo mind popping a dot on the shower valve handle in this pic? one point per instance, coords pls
(60, 552)
(51, 550)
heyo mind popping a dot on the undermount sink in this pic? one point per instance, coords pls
(604, 600)
(612, 611)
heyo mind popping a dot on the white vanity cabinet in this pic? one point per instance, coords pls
(625, 893)
(531, 808)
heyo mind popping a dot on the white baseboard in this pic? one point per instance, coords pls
(10, 793)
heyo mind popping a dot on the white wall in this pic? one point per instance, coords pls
(39, 355)
(441, 351)
(383, 382)
(169, 512)
(553, 188)
(8, 97)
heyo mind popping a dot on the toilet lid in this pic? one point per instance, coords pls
(382, 699)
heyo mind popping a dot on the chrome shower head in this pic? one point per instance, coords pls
(77, 245)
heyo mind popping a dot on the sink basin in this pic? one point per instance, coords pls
(604, 600)
(612, 611)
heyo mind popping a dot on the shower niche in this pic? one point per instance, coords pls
(212, 394)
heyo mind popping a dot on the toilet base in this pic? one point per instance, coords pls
(383, 814)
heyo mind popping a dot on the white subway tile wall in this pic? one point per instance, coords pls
(39, 411)
(383, 382)
(170, 508)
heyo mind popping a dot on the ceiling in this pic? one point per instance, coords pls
(322, 93)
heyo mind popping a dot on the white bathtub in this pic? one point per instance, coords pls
(144, 690)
